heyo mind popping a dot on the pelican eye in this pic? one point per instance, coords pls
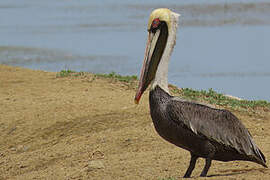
(155, 23)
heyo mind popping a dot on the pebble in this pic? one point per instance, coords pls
(94, 165)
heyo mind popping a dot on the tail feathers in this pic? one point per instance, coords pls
(261, 163)
(260, 158)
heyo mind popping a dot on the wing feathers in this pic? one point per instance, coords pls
(219, 125)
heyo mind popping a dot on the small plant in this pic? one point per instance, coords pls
(64, 73)
(169, 178)
(68, 72)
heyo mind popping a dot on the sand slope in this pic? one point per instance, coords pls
(89, 128)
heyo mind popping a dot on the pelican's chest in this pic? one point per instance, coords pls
(164, 125)
(158, 100)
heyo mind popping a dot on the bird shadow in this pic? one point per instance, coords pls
(231, 172)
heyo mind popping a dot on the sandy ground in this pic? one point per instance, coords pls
(89, 128)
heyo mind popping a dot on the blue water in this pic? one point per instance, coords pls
(222, 46)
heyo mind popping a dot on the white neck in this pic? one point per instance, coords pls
(161, 77)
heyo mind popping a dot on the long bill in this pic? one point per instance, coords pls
(150, 64)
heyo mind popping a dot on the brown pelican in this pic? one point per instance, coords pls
(207, 132)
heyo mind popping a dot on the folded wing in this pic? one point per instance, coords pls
(214, 124)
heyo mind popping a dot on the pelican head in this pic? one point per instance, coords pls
(162, 26)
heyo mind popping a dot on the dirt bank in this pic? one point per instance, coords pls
(82, 127)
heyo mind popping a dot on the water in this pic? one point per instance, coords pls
(223, 46)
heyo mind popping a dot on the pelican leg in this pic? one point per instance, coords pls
(206, 167)
(192, 163)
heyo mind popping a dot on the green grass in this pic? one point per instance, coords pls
(212, 97)
(112, 75)
(118, 77)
